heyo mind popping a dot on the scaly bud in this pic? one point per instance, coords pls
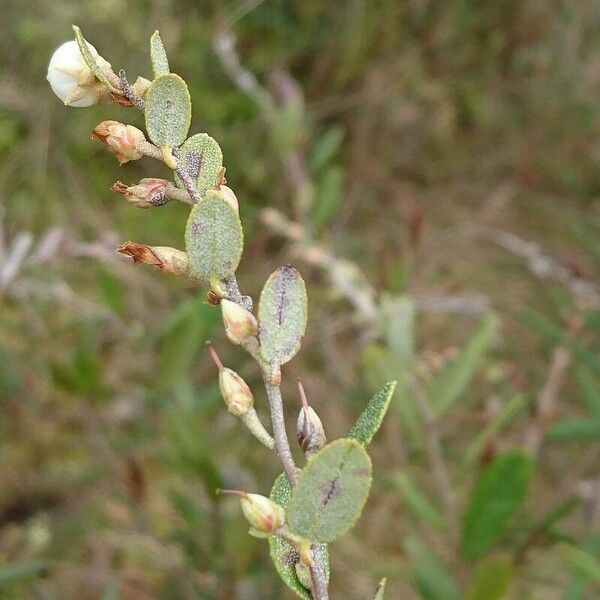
(240, 324)
(71, 79)
(235, 391)
(168, 260)
(147, 193)
(309, 429)
(264, 515)
(124, 141)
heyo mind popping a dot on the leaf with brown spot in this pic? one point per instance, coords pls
(331, 491)
(282, 315)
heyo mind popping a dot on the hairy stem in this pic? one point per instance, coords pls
(318, 577)
(282, 445)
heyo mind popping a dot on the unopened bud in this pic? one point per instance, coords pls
(124, 141)
(168, 260)
(309, 429)
(240, 324)
(303, 573)
(141, 85)
(147, 193)
(262, 513)
(235, 392)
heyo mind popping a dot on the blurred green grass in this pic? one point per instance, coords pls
(421, 120)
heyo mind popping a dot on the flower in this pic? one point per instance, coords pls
(71, 79)
(147, 193)
(122, 140)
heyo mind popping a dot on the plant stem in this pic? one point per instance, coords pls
(318, 577)
(282, 445)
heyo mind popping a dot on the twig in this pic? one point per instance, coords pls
(541, 265)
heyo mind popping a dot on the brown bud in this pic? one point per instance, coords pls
(122, 140)
(147, 193)
(168, 260)
(235, 391)
(240, 324)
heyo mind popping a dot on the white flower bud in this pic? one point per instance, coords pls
(310, 431)
(149, 192)
(235, 392)
(240, 324)
(262, 513)
(71, 79)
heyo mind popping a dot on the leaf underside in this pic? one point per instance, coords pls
(168, 111)
(158, 55)
(331, 491)
(369, 422)
(282, 315)
(202, 152)
(283, 555)
(214, 238)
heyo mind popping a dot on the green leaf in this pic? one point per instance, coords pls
(589, 388)
(168, 111)
(431, 577)
(574, 430)
(90, 61)
(580, 562)
(369, 422)
(417, 502)
(498, 493)
(282, 315)
(207, 156)
(491, 579)
(282, 553)
(380, 593)
(214, 239)
(23, 570)
(331, 491)
(452, 382)
(158, 55)
(325, 148)
(329, 197)
(507, 413)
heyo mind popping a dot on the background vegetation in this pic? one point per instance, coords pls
(448, 151)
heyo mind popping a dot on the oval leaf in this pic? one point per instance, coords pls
(498, 493)
(283, 555)
(90, 61)
(158, 55)
(491, 579)
(369, 422)
(168, 111)
(203, 159)
(331, 491)
(282, 315)
(213, 238)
